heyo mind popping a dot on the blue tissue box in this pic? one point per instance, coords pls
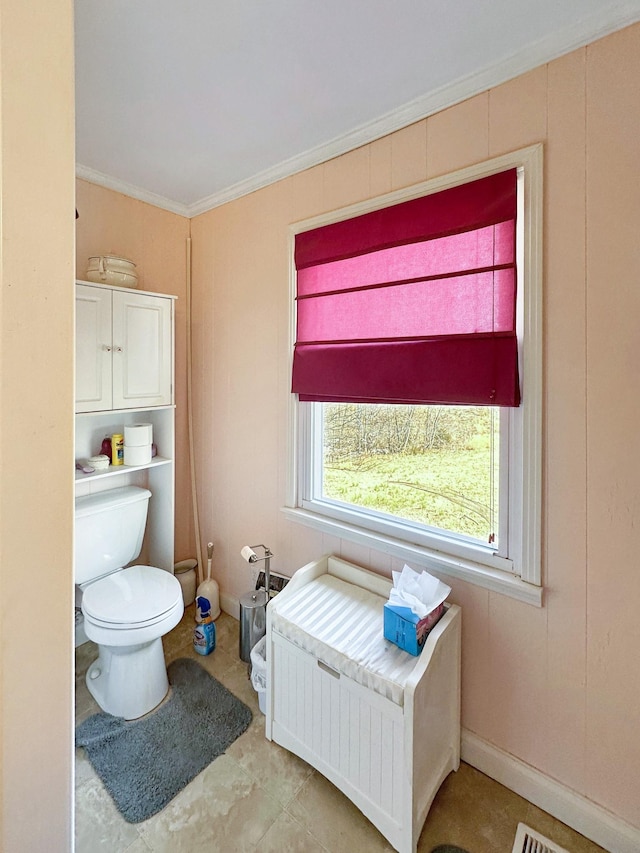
(405, 629)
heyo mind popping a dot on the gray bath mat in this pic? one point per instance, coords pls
(145, 763)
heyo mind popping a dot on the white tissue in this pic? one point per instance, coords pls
(419, 591)
(248, 554)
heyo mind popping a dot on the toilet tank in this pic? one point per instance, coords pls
(109, 530)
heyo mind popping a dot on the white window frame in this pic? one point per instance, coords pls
(514, 568)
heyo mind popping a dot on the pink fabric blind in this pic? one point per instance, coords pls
(414, 303)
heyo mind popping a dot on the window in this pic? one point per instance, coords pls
(437, 466)
(413, 343)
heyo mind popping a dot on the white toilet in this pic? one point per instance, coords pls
(126, 611)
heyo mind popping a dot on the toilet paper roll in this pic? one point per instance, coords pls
(248, 554)
(138, 435)
(137, 455)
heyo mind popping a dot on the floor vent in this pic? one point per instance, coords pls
(530, 841)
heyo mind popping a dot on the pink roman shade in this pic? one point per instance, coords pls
(414, 303)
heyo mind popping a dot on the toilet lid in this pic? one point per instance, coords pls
(133, 596)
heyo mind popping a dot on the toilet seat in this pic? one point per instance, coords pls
(128, 626)
(134, 598)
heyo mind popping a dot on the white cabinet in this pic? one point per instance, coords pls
(93, 349)
(124, 375)
(124, 349)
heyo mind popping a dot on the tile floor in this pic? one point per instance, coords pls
(259, 797)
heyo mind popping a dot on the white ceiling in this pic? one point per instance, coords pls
(188, 103)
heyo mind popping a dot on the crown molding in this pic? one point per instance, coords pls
(545, 50)
(102, 180)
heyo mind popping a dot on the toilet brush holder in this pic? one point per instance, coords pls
(209, 589)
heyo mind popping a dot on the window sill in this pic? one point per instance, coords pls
(441, 564)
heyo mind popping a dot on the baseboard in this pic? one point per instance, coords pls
(581, 814)
(230, 604)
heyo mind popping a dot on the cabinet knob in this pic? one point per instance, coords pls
(118, 349)
(106, 348)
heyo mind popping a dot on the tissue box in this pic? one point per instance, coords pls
(403, 627)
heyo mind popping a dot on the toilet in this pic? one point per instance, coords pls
(126, 611)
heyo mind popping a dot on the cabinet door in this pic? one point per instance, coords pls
(142, 350)
(93, 349)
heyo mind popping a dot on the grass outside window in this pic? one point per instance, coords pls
(433, 465)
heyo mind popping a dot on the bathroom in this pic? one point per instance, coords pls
(581, 730)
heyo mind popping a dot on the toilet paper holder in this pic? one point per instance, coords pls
(248, 554)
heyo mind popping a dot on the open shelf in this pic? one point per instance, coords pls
(115, 470)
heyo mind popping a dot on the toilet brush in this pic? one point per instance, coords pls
(209, 588)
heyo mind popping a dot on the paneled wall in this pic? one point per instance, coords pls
(557, 687)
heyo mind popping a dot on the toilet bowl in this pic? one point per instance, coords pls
(127, 614)
(126, 611)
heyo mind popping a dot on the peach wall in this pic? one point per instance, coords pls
(557, 687)
(111, 223)
(36, 424)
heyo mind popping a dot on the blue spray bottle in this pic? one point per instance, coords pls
(204, 634)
